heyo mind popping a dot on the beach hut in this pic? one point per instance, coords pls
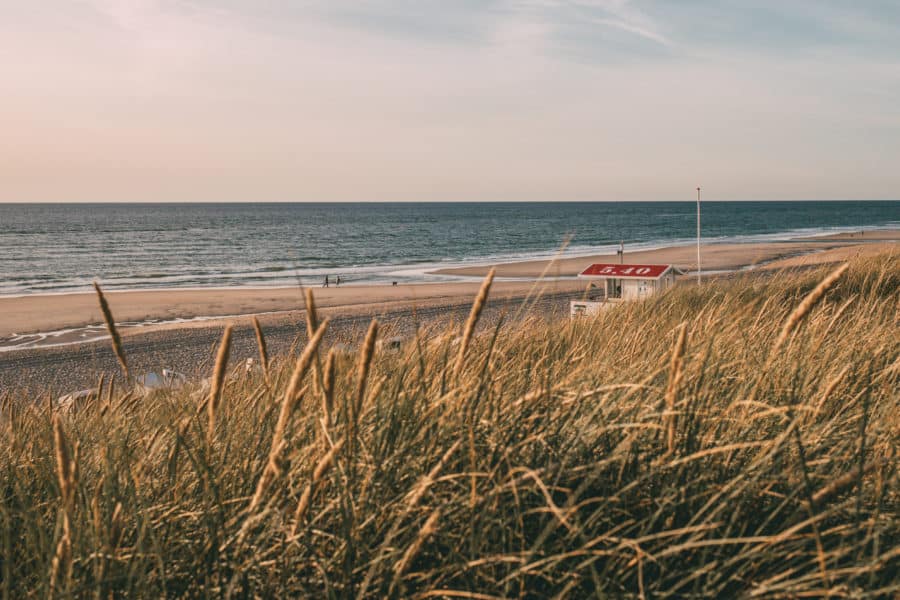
(618, 282)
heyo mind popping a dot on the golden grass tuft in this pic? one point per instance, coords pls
(322, 468)
(263, 350)
(328, 379)
(555, 469)
(428, 528)
(67, 477)
(117, 346)
(472, 321)
(676, 375)
(66, 466)
(217, 382)
(806, 305)
(312, 323)
(366, 352)
(289, 401)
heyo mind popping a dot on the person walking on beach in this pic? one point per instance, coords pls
(326, 282)
(338, 281)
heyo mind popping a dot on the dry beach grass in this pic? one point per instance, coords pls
(733, 440)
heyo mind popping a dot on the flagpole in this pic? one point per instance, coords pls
(698, 236)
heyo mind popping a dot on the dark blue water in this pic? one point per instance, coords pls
(63, 247)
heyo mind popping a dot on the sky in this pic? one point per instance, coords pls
(448, 100)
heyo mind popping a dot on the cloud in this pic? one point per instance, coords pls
(635, 29)
(126, 14)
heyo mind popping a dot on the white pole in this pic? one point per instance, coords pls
(698, 236)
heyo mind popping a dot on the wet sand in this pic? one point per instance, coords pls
(875, 235)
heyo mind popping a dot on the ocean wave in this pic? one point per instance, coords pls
(286, 260)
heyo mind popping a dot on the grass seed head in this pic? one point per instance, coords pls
(218, 380)
(118, 348)
(363, 364)
(469, 330)
(261, 344)
(806, 305)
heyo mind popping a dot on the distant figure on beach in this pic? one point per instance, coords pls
(337, 282)
(326, 282)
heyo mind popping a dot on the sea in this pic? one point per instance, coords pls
(60, 248)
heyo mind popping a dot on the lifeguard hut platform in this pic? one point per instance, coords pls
(619, 282)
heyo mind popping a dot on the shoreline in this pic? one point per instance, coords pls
(52, 320)
(448, 271)
(189, 347)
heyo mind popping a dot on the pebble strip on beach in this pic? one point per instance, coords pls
(60, 370)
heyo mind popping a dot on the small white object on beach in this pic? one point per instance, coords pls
(144, 384)
(168, 380)
(70, 401)
(174, 378)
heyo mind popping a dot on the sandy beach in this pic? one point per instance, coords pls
(52, 313)
(190, 348)
(75, 358)
(175, 328)
(29, 314)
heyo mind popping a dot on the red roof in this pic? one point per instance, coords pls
(626, 271)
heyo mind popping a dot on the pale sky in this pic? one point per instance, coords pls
(418, 100)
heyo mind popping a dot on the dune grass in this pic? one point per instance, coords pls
(734, 440)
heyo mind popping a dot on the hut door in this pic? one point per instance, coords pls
(613, 288)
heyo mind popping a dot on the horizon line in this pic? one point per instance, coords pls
(691, 200)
